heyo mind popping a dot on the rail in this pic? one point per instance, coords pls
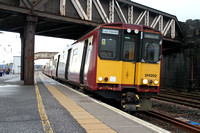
(181, 124)
(180, 99)
(182, 94)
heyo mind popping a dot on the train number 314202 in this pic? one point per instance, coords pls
(151, 75)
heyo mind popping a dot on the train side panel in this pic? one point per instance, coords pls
(89, 61)
(91, 67)
(62, 64)
(51, 67)
(47, 68)
(54, 65)
(81, 60)
(75, 62)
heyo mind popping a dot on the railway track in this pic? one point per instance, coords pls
(183, 99)
(178, 123)
(181, 94)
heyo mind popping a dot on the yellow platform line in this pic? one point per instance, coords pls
(45, 122)
(85, 119)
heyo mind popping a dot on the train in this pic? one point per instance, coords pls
(116, 61)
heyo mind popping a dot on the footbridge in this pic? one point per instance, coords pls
(44, 55)
(71, 19)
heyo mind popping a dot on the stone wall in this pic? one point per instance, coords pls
(181, 64)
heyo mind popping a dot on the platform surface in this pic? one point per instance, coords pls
(49, 106)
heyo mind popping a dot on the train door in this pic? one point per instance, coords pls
(83, 61)
(129, 59)
(57, 66)
(67, 63)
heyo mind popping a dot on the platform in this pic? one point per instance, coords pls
(53, 107)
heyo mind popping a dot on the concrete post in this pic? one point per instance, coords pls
(29, 49)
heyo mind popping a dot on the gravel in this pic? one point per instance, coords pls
(173, 110)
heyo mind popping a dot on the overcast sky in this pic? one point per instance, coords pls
(183, 9)
(50, 44)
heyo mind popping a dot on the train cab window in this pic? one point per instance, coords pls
(108, 48)
(152, 47)
(129, 48)
(152, 52)
(108, 43)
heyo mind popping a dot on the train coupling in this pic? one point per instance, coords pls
(130, 107)
(130, 101)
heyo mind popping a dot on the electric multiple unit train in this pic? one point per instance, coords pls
(116, 61)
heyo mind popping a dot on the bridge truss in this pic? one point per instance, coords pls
(72, 19)
(109, 11)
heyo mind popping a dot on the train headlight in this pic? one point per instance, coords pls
(100, 79)
(155, 82)
(145, 81)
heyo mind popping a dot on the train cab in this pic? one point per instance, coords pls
(129, 60)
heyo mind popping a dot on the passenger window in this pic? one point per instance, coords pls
(108, 47)
(88, 53)
(74, 57)
(75, 51)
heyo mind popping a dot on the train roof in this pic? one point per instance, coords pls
(131, 26)
(119, 25)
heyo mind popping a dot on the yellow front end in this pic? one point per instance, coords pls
(147, 74)
(123, 73)
(115, 72)
(108, 69)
